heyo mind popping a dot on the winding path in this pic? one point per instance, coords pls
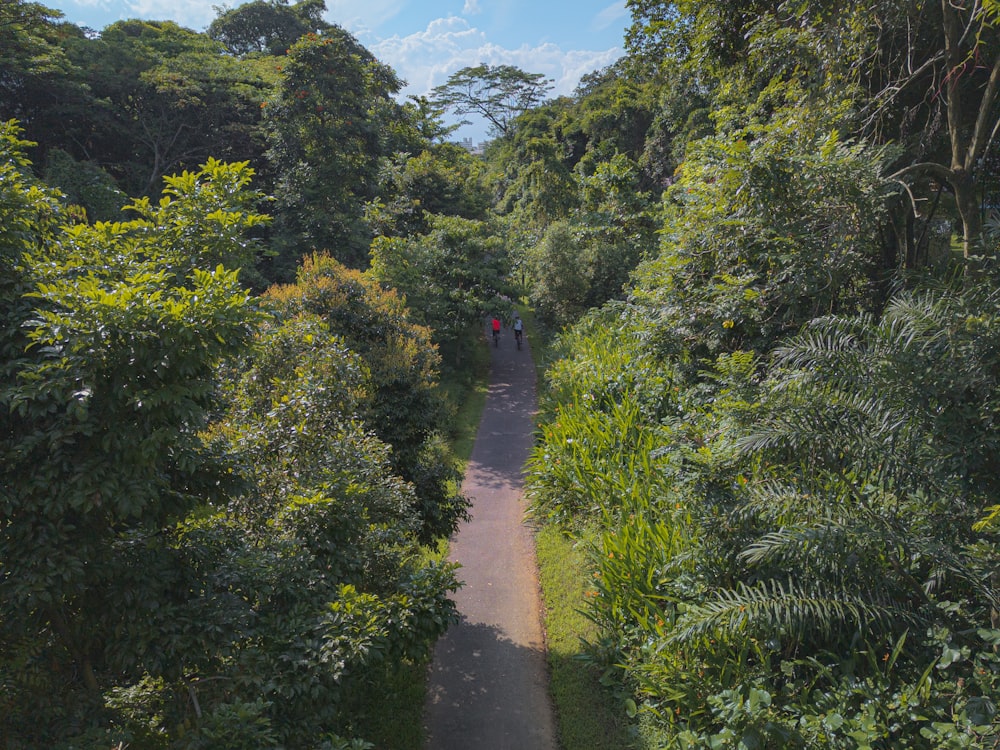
(488, 687)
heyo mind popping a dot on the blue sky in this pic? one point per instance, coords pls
(428, 40)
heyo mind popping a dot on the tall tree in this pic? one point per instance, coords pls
(40, 85)
(167, 99)
(956, 74)
(451, 276)
(27, 49)
(402, 403)
(102, 412)
(498, 93)
(267, 26)
(445, 179)
(327, 127)
(907, 68)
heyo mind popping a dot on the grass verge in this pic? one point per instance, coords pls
(587, 714)
(588, 717)
(466, 392)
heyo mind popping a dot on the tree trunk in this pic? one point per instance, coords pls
(967, 147)
(71, 642)
(967, 200)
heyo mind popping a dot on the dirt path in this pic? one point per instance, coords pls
(489, 679)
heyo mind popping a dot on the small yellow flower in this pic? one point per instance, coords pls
(728, 324)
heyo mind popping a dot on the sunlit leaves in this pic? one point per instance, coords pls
(397, 393)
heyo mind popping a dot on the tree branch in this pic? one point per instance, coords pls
(938, 171)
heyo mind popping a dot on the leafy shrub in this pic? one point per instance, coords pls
(399, 397)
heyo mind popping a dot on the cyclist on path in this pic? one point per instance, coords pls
(496, 330)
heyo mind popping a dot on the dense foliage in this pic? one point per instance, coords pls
(401, 402)
(767, 236)
(784, 438)
(203, 541)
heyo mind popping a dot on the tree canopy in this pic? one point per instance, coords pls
(267, 26)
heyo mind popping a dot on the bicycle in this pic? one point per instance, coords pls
(518, 330)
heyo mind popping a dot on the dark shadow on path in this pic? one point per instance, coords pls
(473, 689)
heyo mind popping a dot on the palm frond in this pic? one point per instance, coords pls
(832, 344)
(791, 542)
(773, 607)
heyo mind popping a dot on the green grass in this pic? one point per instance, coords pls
(466, 392)
(588, 716)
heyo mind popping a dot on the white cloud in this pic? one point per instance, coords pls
(610, 15)
(471, 8)
(362, 18)
(102, 4)
(194, 14)
(425, 59)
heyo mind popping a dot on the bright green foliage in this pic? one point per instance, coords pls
(856, 487)
(537, 182)
(795, 551)
(582, 264)
(322, 553)
(216, 211)
(446, 180)
(919, 75)
(428, 119)
(602, 399)
(619, 226)
(450, 277)
(29, 217)
(791, 561)
(102, 406)
(577, 160)
(561, 268)
(400, 400)
(188, 562)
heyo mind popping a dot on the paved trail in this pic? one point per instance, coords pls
(489, 680)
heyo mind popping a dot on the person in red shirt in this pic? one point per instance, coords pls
(496, 331)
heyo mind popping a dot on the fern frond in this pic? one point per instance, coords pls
(792, 542)
(830, 345)
(776, 607)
